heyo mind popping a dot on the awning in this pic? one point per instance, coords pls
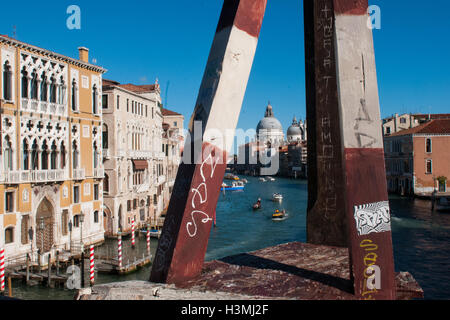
(140, 164)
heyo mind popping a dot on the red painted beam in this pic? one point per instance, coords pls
(366, 198)
(184, 239)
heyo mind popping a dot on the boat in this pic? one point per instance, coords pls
(277, 197)
(230, 176)
(262, 179)
(235, 186)
(257, 205)
(279, 215)
(244, 180)
(271, 179)
(443, 204)
(154, 233)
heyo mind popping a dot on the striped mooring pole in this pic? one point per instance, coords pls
(119, 250)
(92, 265)
(148, 238)
(133, 240)
(2, 270)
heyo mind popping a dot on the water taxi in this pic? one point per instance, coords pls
(230, 176)
(279, 215)
(277, 197)
(235, 186)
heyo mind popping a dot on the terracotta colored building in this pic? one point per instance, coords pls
(418, 159)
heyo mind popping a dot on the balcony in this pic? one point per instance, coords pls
(138, 154)
(99, 173)
(52, 108)
(34, 176)
(161, 180)
(78, 174)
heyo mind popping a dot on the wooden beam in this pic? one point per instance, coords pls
(183, 243)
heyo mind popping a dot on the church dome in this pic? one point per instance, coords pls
(269, 122)
(294, 132)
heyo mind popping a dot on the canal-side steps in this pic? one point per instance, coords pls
(294, 270)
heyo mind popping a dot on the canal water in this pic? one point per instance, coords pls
(421, 238)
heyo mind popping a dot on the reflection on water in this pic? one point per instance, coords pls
(421, 238)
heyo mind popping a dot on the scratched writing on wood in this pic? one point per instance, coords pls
(327, 87)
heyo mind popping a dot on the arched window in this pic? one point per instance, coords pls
(26, 155)
(9, 235)
(106, 184)
(44, 156)
(24, 86)
(75, 153)
(8, 157)
(53, 157)
(63, 156)
(61, 91)
(94, 99)
(7, 81)
(34, 156)
(44, 87)
(105, 136)
(74, 96)
(96, 217)
(34, 86)
(53, 90)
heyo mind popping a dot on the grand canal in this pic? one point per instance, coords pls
(421, 238)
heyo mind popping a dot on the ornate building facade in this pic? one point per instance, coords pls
(51, 135)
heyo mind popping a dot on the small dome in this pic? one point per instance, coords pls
(294, 131)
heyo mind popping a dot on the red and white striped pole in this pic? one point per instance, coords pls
(133, 241)
(92, 265)
(2, 270)
(119, 250)
(148, 239)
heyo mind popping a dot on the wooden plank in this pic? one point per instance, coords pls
(367, 205)
(326, 223)
(182, 246)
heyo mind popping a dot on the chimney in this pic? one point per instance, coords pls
(84, 54)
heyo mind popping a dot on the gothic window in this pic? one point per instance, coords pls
(34, 156)
(53, 157)
(95, 156)
(8, 154)
(24, 83)
(63, 156)
(95, 216)
(61, 91)
(44, 87)
(34, 86)
(105, 136)
(53, 90)
(26, 155)
(7, 81)
(44, 156)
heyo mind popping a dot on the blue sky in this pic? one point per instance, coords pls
(139, 41)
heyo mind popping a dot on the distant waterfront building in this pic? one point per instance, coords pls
(397, 123)
(269, 129)
(291, 152)
(51, 136)
(417, 159)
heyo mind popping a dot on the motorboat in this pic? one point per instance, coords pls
(235, 186)
(271, 179)
(244, 180)
(443, 204)
(279, 215)
(154, 233)
(277, 197)
(230, 176)
(257, 205)
(262, 179)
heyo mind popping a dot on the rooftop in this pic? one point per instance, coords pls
(438, 126)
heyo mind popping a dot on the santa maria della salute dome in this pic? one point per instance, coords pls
(270, 130)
